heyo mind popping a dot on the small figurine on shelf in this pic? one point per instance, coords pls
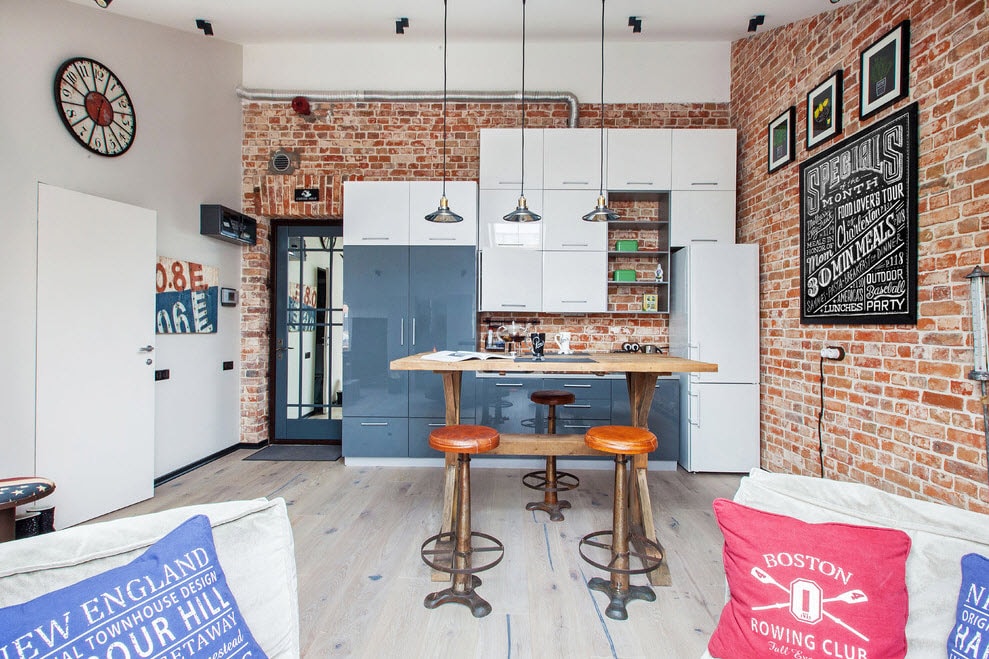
(659, 272)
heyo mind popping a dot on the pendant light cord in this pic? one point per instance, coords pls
(601, 153)
(444, 98)
(522, 184)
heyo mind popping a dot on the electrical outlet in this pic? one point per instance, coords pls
(836, 353)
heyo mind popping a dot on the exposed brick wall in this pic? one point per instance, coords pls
(900, 413)
(403, 141)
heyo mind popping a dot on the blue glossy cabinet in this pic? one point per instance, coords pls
(402, 300)
(664, 415)
(503, 403)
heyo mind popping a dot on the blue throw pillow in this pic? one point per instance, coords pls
(970, 635)
(172, 600)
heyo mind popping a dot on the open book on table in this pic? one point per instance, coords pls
(461, 355)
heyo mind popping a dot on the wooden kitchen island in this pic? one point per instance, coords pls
(641, 372)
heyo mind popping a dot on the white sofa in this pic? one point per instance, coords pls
(253, 545)
(940, 535)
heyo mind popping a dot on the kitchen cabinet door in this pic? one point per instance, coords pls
(376, 213)
(511, 280)
(702, 216)
(501, 159)
(493, 231)
(376, 295)
(572, 159)
(503, 403)
(639, 159)
(375, 437)
(563, 228)
(575, 282)
(443, 292)
(425, 198)
(704, 159)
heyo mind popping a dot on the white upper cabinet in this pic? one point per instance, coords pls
(425, 199)
(698, 216)
(376, 212)
(501, 158)
(575, 282)
(639, 159)
(572, 158)
(563, 228)
(493, 231)
(511, 280)
(704, 159)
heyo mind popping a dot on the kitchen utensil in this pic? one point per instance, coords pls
(650, 349)
(512, 335)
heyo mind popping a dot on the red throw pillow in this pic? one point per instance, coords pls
(810, 590)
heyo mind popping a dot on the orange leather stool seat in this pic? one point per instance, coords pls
(621, 440)
(464, 438)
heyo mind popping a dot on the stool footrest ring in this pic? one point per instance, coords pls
(538, 480)
(443, 555)
(649, 562)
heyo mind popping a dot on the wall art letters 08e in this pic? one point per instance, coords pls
(186, 296)
(858, 227)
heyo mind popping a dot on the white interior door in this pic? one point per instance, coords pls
(96, 336)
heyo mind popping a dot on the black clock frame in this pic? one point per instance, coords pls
(122, 134)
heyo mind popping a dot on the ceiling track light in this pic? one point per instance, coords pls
(755, 22)
(401, 24)
(601, 212)
(635, 23)
(522, 212)
(205, 26)
(103, 4)
(443, 214)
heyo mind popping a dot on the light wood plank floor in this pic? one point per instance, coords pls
(361, 580)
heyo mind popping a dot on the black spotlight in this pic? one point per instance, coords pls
(205, 26)
(103, 3)
(635, 23)
(755, 22)
(400, 25)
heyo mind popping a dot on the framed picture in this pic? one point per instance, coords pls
(885, 71)
(780, 139)
(858, 227)
(824, 105)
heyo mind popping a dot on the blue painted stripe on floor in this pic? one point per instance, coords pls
(597, 610)
(549, 554)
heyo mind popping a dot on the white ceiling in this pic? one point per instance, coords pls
(315, 21)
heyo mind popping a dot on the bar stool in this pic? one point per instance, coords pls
(622, 441)
(453, 552)
(550, 481)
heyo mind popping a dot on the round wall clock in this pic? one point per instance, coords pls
(94, 106)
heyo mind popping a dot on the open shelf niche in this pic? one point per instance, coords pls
(645, 218)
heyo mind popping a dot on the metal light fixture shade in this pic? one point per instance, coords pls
(980, 337)
(103, 4)
(443, 214)
(522, 213)
(601, 212)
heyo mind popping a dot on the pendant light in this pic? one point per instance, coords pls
(443, 214)
(522, 212)
(601, 212)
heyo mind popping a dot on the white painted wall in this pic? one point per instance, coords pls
(187, 152)
(646, 72)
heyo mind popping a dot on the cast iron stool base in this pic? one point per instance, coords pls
(550, 481)
(620, 597)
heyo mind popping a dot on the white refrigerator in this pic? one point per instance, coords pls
(714, 317)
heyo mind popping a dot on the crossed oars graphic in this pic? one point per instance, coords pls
(854, 596)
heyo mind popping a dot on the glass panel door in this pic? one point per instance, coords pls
(308, 333)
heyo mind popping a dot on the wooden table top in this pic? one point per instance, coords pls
(595, 363)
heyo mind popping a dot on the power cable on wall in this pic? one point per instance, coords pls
(836, 353)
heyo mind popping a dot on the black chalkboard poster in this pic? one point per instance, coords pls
(858, 227)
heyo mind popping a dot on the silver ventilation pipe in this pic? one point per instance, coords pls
(417, 97)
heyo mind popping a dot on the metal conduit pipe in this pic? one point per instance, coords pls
(417, 97)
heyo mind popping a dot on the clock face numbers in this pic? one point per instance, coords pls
(94, 106)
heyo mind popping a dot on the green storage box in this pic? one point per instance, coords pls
(624, 275)
(626, 245)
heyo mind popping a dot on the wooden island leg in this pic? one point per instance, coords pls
(641, 387)
(451, 394)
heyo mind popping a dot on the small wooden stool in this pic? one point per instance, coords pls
(622, 441)
(453, 552)
(550, 481)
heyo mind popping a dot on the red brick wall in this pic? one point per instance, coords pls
(900, 413)
(401, 141)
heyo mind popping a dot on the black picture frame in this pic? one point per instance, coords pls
(885, 71)
(824, 110)
(780, 140)
(858, 227)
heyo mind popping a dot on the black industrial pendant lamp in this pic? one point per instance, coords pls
(601, 212)
(443, 214)
(522, 212)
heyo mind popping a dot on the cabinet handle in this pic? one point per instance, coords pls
(501, 182)
(576, 182)
(374, 423)
(574, 301)
(573, 425)
(575, 244)
(694, 412)
(639, 183)
(374, 238)
(703, 240)
(508, 384)
(436, 425)
(578, 406)
(703, 183)
(401, 333)
(442, 238)
(576, 386)
(520, 306)
(413, 331)
(509, 244)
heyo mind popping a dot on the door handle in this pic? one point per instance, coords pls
(146, 349)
